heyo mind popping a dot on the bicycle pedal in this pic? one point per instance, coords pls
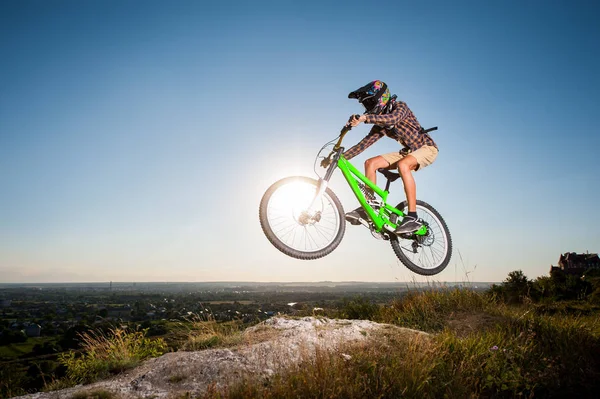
(353, 221)
(375, 203)
(364, 222)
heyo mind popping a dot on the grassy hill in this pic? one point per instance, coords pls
(505, 342)
(480, 348)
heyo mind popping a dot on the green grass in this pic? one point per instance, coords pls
(15, 350)
(12, 351)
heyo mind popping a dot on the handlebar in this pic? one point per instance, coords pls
(326, 161)
(343, 132)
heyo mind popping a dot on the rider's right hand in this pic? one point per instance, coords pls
(355, 120)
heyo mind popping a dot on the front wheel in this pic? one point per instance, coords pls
(429, 254)
(294, 229)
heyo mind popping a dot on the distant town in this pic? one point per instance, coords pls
(50, 310)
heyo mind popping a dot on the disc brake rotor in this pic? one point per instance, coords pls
(306, 219)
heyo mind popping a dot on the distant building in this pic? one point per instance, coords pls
(33, 330)
(119, 312)
(5, 303)
(573, 263)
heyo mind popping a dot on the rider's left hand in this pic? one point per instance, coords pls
(353, 121)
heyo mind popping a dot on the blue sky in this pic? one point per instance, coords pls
(137, 137)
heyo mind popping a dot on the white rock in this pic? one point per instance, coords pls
(293, 340)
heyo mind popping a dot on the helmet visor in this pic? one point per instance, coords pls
(370, 103)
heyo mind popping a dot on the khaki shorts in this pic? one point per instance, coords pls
(424, 156)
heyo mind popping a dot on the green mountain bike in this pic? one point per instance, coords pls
(304, 219)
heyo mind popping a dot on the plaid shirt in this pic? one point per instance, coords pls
(400, 125)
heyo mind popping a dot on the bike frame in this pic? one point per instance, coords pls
(381, 219)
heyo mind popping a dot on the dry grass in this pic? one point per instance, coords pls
(431, 310)
(503, 352)
(105, 354)
(350, 371)
(259, 333)
(201, 332)
(204, 332)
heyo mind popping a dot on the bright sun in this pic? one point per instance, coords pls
(296, 196)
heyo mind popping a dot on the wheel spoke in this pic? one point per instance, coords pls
(294, 226)
(433, 251)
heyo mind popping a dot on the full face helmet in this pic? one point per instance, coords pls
(374, 96)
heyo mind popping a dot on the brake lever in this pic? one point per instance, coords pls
(326, 161)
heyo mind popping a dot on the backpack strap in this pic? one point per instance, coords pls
(431, 129)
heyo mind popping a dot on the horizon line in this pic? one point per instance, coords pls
(245, 282)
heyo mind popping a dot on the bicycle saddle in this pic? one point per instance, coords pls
(391, 176)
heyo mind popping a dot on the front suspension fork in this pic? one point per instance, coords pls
(324, 182)
(321, 187)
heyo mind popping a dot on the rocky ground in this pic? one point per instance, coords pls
(268, 348)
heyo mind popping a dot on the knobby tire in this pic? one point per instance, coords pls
(396, 244)
(280, 245)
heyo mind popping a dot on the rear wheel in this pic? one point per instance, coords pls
(426, 255)
(295, 230)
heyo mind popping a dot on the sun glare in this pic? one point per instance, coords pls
(297, 196)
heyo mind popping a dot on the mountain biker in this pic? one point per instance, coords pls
(394, 119)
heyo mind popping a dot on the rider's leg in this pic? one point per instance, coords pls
(405, 166)
(371, 166)
(416, 160)
(411, 222)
